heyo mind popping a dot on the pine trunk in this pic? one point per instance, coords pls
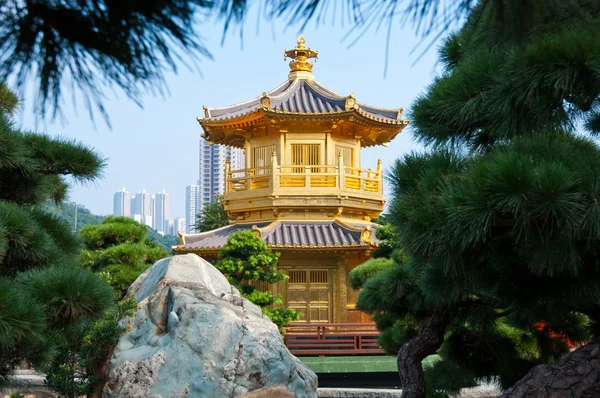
(427, 341)
(576, 375)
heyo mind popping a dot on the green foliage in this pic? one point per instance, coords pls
(119, 250)
(212, 216)
(245, 257)
(68, 293)
(65, 381)
(445, 379)
(502, 82)
(120, 44)
(388, 237)
(360, 274)
(498, 220)
(166, 241)
(42, 291)
(82, 360)
(114, 230)
(83, 350)
(281, 316)
(66, 213)
(104, 333)
(22, 326)
(244, 260)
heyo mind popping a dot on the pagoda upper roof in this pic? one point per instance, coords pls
(302, 96)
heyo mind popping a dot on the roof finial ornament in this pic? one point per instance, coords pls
(301, 56)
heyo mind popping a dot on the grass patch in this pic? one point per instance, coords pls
(352, 364)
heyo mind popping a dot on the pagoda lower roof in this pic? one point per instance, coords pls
(302, 97)
(286, 234)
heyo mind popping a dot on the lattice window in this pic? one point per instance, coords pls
(262, 156)
(306, 155)
(297, 277)
(347, 154)
(318, 277)
(320, 314)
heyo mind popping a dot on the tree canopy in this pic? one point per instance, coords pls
(250, 265)
(212, 216)
(498, 219)
(120, 250)
(42, 290)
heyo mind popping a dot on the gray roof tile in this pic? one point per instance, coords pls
(302, 96)
(283, 234)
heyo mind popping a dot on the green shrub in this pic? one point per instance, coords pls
(113, 231)
(244, 260)
(360, 274)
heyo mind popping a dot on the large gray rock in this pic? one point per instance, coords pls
(194, 336)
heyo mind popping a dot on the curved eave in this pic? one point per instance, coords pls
(389, 128)
(215, 250)
(256, 114)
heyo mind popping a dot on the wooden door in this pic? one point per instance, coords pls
(309, 293)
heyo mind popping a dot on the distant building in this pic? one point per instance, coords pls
(153, 210)
(137, 218)
(147, 220)
(179, 225)
(212, 170)
(142, 204)
(169, 227)
(122, 203)
(132, 206)
(162, 211)
(191, 206)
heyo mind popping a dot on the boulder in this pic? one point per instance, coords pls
(193, 335)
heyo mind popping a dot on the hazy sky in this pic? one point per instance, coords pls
(156, 147)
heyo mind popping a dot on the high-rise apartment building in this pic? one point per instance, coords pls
(122, 203)
(162, 211)
(169, 227)
(147, 220)
(142, 204)
(132, 206)
(191, 206)
(179, 225)
(212, 170)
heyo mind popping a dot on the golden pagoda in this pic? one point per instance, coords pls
(303, 190)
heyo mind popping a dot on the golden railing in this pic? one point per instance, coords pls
(365, 180)
(294, 176)
(249, 179)
(308, 176)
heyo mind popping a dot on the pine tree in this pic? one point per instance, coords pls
(120, 250)
(499, 220)
(246, 261)
(212, 216)
(42, 290)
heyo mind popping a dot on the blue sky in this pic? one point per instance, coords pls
(156, 147)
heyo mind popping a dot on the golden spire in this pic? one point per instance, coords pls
(301, 56)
